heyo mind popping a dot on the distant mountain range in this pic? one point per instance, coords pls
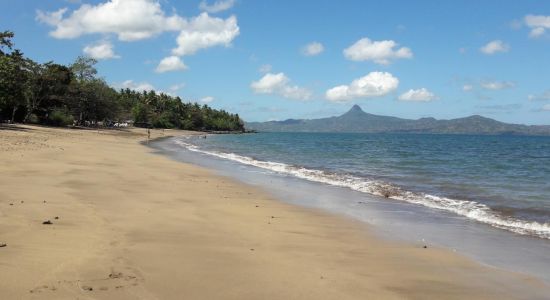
(356, 120)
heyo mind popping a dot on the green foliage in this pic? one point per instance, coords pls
(58, 95)
(60, 117)
(5, 40)
(84, 69)
(141, 113)
(12, 81)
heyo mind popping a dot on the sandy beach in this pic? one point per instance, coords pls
(131, 224)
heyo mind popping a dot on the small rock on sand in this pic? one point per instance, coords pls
(87, 288)
(2, 245)
(115, 275)
(48, 222)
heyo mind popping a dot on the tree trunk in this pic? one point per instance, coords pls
(13, 114)
(27, 115)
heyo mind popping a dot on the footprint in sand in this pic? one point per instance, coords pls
(42, 288)
(115, 280)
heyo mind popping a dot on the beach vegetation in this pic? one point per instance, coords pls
(59, 95)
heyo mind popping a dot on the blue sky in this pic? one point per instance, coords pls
(307, 59)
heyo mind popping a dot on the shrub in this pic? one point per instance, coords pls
(60, 117)
(33, 119)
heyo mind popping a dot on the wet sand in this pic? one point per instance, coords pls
(130, 224)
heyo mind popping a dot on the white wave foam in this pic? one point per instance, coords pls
(470, 209)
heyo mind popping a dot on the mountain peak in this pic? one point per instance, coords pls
(356, 108)
(354, 111)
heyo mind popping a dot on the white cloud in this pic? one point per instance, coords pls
(538, 24)
(536, 32)
(279, 84)
(169, 64)
(546, 107)
(381, 52)
(374, 84)
(544, 96)
(100, 50)
(207, 99)
(312, 49)
(51, 18)
(137, 86)
(497, 85)
(494, 46)
(133, 20)
(130, 20)
(217, 6)
(265, 69)
(467, 87)
(204, 31)
(420, 95)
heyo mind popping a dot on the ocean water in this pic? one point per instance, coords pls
(501, 181)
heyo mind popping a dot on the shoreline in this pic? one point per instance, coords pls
(391, 219)
(132, 224)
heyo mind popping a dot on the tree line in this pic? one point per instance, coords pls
(59, 95)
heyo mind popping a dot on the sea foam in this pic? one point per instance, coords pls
(469, 209)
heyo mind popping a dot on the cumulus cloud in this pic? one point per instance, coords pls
(204, 31)
(217, 6)
(467, 87)
(101, 50)
(538, 25)
(380, 52)
(207, 99)
(541, 97)
(374, 84)
(130, 20)
(419, 95)
(494, 47)
(137, 86)
(497, 85)
(312, 49)
(279, 84)
(170, 64)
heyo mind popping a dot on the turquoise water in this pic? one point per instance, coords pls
(502, 181)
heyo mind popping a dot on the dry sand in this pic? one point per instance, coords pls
(135, 225)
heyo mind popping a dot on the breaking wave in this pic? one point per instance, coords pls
(469, 209)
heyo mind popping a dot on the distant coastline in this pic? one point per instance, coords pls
(356, 120)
